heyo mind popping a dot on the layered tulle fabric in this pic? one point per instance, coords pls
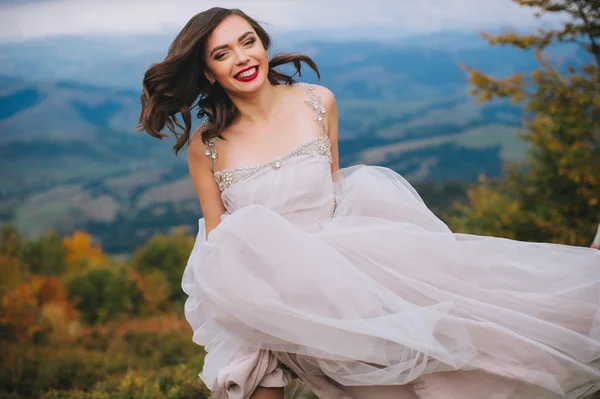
(353, 283)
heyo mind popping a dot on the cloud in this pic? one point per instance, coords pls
(36, 19)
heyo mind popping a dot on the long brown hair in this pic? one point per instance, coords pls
(177, 84)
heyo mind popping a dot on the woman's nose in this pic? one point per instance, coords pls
(241, 56)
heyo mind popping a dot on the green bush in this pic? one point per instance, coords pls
(144, 344)
(46, 255)
(169, 254)
(12, 243)
(104, 294)
(178, 382)
(27, 372)
(161, 350)
(104, 354)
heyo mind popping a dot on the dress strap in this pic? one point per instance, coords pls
(211, 145)
(211, 151)
(314, 102)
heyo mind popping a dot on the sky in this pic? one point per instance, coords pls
(34, 19)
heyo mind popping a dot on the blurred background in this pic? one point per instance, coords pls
(489, 107)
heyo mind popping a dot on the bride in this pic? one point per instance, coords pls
(343, 277)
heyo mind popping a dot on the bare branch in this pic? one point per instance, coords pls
(586, 22)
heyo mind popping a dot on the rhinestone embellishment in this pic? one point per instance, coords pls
(211, 150)
(226, 177)
(314, 101)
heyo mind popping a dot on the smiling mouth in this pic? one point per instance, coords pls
(247, 75)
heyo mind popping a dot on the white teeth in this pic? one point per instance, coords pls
(249, 72)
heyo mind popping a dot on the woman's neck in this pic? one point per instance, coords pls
(257, 107)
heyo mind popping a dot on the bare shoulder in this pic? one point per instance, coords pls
(326, 95)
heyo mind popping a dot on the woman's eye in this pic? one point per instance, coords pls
(220, 56)
(249, 42)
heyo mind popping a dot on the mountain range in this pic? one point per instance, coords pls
(71, 158)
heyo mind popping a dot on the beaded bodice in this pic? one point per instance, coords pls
(317, 146)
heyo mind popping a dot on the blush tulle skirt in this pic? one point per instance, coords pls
(383, 299)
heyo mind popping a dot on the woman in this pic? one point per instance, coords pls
(343, 277)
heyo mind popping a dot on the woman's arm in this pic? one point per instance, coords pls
(596, 241)
(204, 183)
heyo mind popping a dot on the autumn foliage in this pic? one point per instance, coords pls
(74, 323)
(80, 251)
(554, 196)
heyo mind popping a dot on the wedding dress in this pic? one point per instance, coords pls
(352, 284)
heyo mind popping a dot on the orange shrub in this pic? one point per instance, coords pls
(80, 251)
(40, 304)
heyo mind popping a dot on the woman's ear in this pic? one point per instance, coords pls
(209, 77)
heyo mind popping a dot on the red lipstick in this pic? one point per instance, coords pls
(247, 78)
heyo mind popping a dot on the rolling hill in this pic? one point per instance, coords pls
(71, 159)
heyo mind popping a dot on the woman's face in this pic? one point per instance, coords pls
(235, 56)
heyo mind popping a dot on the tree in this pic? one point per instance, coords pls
(12, 244)
(153, 289)
(46, 255)
(557, 189)
(81, 252)
(169, 254)
(12, 249)
(103, 293)
(38, 308)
